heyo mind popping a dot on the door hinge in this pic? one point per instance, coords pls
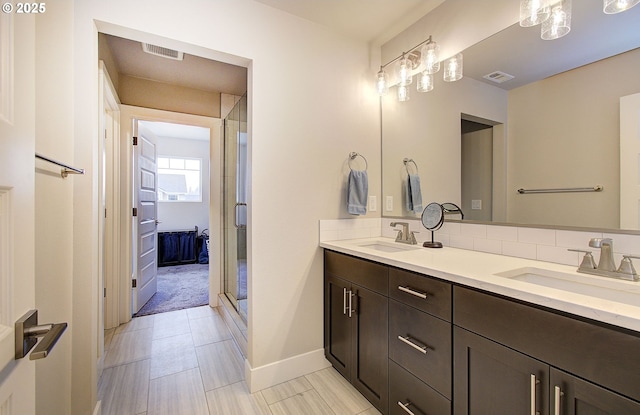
(134, 283)
(104, 294)
(135, 211)
(105, 213)
(135, 141)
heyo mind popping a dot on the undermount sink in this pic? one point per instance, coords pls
(388, 246)
(599, 287)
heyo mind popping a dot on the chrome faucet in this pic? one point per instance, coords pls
(404, 235)
(606, 266)
(606, 253)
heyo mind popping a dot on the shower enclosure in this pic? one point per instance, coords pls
(235, 206)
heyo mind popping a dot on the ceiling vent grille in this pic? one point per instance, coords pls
(164, 52)
(498, 77)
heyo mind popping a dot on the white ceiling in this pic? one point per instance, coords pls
(371, 20)
(169, 130)
(521, 52)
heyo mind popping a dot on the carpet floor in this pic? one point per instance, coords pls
(179, 286)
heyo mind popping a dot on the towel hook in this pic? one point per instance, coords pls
(352, 157)
(406, 162)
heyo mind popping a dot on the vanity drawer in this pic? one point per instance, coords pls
(365, 273)
(421, 343)
(422, 292)
(405, 388)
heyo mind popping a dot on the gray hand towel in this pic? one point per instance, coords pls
(357, 192)
(414, 194)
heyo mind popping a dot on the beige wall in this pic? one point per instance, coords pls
(54, 201)
(145, 93)
(104, 54)
(564, 132)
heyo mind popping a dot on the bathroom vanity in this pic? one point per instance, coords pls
(420, 331)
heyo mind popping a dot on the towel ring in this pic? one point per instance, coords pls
(406, 162)
(352, 157)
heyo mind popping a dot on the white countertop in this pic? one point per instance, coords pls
(478, 269)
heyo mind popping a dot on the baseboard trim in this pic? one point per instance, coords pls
(97, 410)
(266, 376)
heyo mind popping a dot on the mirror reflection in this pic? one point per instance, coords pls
(556, 124)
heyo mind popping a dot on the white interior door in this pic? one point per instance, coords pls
(630, 162)
(17, 183)
(146, 203)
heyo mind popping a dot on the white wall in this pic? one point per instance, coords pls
(311, 102)
(54, 200)
(185, 215)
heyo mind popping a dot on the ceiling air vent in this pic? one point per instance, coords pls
(498, 77)
(164, 52)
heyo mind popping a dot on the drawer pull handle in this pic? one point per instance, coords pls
(412, 342)
(405, 406)
(413, 292)
(534, 383)
(344, 301)
(557, 400)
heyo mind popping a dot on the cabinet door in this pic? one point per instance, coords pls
(493, 379)
(370, 370)
(573, 396)
(337, 325)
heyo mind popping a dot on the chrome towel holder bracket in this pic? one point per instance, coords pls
(353, 155)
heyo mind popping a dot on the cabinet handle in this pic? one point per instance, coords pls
(351, 310)
(344, 301)
(534, 383)
(412, 342)
(558, 394)
(405, 406)
(413, 292)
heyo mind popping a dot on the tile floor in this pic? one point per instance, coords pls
(186, 362)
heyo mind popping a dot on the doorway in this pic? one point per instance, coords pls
(182, 220)
(483, 169)
(235, 207)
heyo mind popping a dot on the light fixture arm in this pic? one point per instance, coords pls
(403, 54)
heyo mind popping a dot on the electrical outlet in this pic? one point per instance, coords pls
(373, 203)
(476, 204)
(389, 203)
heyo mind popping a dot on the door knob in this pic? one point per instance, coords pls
(27, 333)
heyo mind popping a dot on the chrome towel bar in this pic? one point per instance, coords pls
(596, 188)
(66, 168)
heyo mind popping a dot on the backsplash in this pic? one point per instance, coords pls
(548, 245)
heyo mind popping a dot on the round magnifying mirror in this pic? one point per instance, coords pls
(432, 219)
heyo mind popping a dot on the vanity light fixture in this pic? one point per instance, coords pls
(382, 84)
(559, 22)
(422, 58)
(617, 6)
(533, 12)
(425, 82)
(403, 93)
(453, 68)
(431, 57)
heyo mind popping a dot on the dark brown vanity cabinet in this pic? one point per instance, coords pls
(411, 343)
(356, 324)
(512, 358)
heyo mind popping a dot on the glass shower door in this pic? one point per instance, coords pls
(235, 207)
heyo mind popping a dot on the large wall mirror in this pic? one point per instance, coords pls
(555, 125)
